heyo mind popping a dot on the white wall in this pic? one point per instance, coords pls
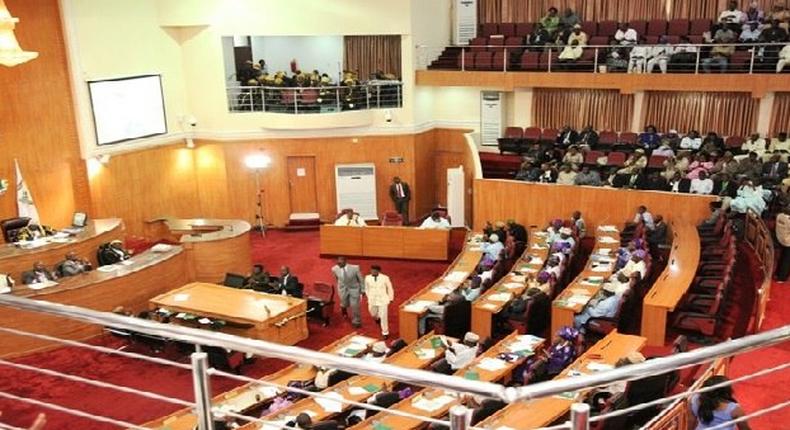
(322, 53)
(229, 59)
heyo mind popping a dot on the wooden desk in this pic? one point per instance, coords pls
(562, 312)
(543, 412)
(532, 261)
(408, 405)
(672, 284)
(131, 286)
(214, 246)
(462, 267)
(247, 313)
(406, 358)
(247, 397)
(388, 242)
(14, 259)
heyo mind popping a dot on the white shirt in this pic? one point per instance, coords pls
(684, 47)
(691, 143)
(645, 217)
(631, 267)
(777, 145)
(736, 16)
(430, 224)
(626, 37)
(757, 146)
(701, 186)
(750, 35)
(784, 54)
(458, 355)
(353, 222)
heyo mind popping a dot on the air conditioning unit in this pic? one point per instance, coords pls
(355, 185)
(464, 21)
(492, 114)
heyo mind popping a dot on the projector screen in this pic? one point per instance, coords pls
(127, 108)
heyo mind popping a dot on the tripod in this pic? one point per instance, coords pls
(259, 224)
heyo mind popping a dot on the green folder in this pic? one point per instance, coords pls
(436, 342)
(380, 426)
(472, 375)
(372, 388)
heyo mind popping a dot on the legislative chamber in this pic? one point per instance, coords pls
(446, 214)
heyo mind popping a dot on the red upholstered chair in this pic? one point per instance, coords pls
(495, 43)
(498, 61)
(478, 44)
(530, 61)
(734, 142)
(514, 133)
(600, 327)
(392, 219)
(651, 40)
(656, 27)
(739, 62)
(628, 138)
(506, 29)
(555, 59)
(524, 29)
(656, 161)
(673, 40)
(599, 41)
(590, 27)
(483, 61)
(513, 43)
(607, 28)
(591, 157)
(549, 135)
(696, 39)
(467, 59)
(321, 302)
(678, 27)
(532, 134)
(640, 26)
(699, 26)
(616, 159)
(607, 138)
(488, 29)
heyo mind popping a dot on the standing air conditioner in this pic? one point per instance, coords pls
(355, 185)
(464, 21)
(492, 112)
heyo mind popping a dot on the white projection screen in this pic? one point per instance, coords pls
(127, 108)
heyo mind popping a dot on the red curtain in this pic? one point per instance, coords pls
(780, 117)
(588, 10)
(369, 54)
(725, 113)
(603, 109)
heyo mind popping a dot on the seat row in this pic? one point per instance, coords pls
(656, 27)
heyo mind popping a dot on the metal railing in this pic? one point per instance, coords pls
(459, 416)
(646, 58)
(304, 100)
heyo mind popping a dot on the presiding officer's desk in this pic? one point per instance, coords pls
(388, 242)
(464, 265)
(672, 284)
(542, 412)
(15, 259)
(214, 247)
(247, 313)
(129, 284)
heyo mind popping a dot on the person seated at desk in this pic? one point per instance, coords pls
(536, 286)
(554, 359)
(517, 230)
(491, 250)
(260, 280)
(635, 268)
(601, 395)
(40, 274)
(553, 267)
(113, 252)
(33, 232)
(350, 218)
(624, 253)
(6, 283)
(619, 283)
(566, 237)
(471, 288)
(224, 422)
(435, 222)
(304, 422)
(603, 306)
(73, 265)
(436, 312)
(461, 354)
(553, 230)
(378, 352)
(289, 284)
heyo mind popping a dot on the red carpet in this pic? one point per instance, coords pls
(299, 250)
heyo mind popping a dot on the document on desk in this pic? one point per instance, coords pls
(578, 299)
(513, 285)
(604, 251)
(425, 353)
(456, 276)
(434, 404)
(357, 391)
(607, 239)
(268, 392)
(490, 306)
(602, 268)
(492, 364)
(518, 278)
(364, 340)
(595, 366)
(442, 289)
(418, 306)
(330, 405)
(500, 297)
(108, 268)
(608, 228)
(42, 285)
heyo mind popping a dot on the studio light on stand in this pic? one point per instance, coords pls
(258, 162)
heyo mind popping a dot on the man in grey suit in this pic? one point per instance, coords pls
(350, 288)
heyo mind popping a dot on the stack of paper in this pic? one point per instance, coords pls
(492, 364)
(181, 297)
(608, 228)
(364, 340)
(456, 276)
(595, 366)
(418, 306)
(512, 285)
(330, 405)
(42, 285)
(604, 251)
(500, 297)
(442, 289)
(578, 299)
(602, 268)
(607, 239)
(434, 404)
(425, 353)
(541, 234)
(490, 306)
(518, 278)
(268, 392)
(357, 391)
(107, 268)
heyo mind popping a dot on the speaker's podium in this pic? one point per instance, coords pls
(246, 313)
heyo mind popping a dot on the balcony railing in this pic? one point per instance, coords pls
(305, 100)
(679, 58)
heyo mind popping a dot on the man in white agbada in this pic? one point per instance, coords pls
(461, 354)
(351, 219)
(435, 221)
(378, 288)
(378, 352)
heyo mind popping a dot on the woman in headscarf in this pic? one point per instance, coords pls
(624, 254)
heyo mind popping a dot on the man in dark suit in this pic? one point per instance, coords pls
(401, 195)
(774, 171)
(39, 274)
(350, 287)
(289, 284)
(567, 137)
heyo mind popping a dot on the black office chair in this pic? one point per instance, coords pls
(11, 226)
(396, 346)
(457, 319)
(234, 280)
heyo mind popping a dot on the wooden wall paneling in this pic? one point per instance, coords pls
(212, 181)
(534, 203)
(37, 124)
(425, 179)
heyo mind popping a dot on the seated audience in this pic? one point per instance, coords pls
(461, 354)
(712, 143)
(578, 36)
(289, 284)
(750, 196)
(588, 177)
(517, 230)
(774, 171)
(659, 55)
(39, 275)
(664, 149)
(649, 139)
(619, 283)
(654, 181)
(604, 305)
(702, 184)
(784, 58)
(570, 19)
(659, 234)
(751, 166)
(554, 359)
(751, 33)
(726, 165)
(692, 141)
(260, 280)
(567, 137)
(566, 176)
(720, 54)
(435, 222)
(350, 218)
(566, 237)
(637, 58)
(699, 165)
(578, 222)
(684, 54)
(74, 265)
(436, 312)
(551, 21)
(780, 144)
(637, 161)
(572, 52)
(626, 35)
(471, 288)
(644, 216)
(540, 36)
(112, 253)
(754, 14)
(574, 157)
(732, 15)
(714, 408)
(588, 137)
(624, 253)
(635, 268)
(378, 352)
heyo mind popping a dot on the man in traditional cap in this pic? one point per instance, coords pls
(113, 253)
(435, 222)
(492, 249)
(635, 267)
(74, 265)
(380, 293)
(39, 275)
(566, 236)
(461, 354)
(603, 306)
(378, 352)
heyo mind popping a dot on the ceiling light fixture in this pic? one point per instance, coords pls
(11, 54)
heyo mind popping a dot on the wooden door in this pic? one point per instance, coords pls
(301, 184)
